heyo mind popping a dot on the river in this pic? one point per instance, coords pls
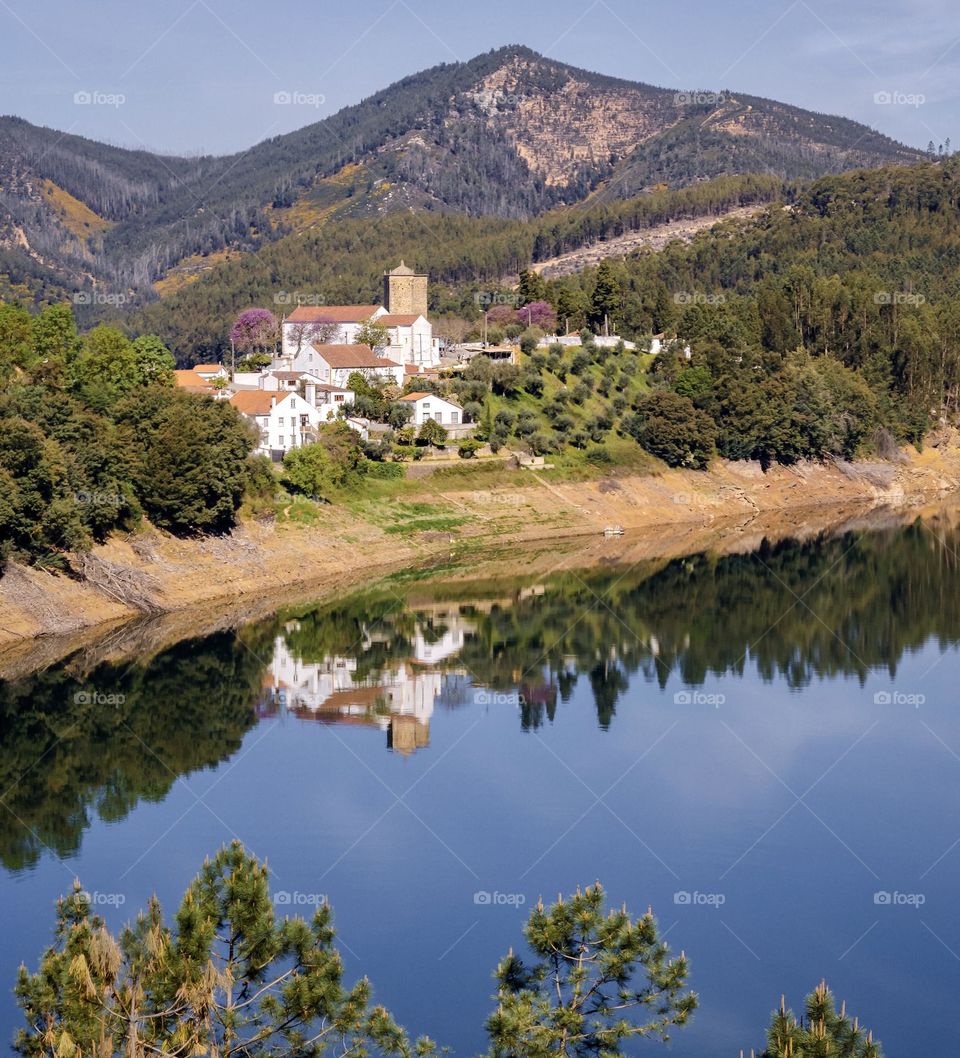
(764, 747)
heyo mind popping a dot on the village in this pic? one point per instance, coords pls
(321, 352)
(326, 353)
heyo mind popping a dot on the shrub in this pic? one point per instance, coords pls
(671, 428)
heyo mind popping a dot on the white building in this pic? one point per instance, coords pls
(411, 340)
(430, 406)
(336, 363)
(285, 420)
(338, 325)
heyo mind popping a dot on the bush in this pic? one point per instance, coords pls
(599, 456)
(385, 471)
(671, 428)
(432, 433)
(468, 448)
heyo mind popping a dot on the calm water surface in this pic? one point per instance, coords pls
(765, 748)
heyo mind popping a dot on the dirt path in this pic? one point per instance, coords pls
(628, 243)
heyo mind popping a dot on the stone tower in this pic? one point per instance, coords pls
(405, 292)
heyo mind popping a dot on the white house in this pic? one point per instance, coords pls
(342, 322)
(336, 363)
(430, 406)
(411, 339)
(285, 420)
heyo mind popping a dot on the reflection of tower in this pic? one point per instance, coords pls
(407, 734)
(405, 292)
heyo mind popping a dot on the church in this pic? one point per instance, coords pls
(403, 313)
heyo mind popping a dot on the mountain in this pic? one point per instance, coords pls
(509, 134)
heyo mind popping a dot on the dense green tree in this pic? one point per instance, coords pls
(671, 428)
(598, 980)
(154, 361)
(824, 1032)
(225, 978)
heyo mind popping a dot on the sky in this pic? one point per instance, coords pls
(217, 76)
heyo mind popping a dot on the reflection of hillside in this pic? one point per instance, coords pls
(73, 747)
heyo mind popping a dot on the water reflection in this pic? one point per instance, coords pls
(77, 744)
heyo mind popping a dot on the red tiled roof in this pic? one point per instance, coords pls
(211, 369)
(191, 380)
(256, 401)
(398, 319)
(331, 313)
(351, 356)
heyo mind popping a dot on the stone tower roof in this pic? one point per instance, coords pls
(402, 270)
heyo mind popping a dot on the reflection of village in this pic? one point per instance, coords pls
(400, 695)
(399, 698)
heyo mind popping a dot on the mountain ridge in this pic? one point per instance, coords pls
(508, 134)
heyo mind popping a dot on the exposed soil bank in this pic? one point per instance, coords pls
(192, 587)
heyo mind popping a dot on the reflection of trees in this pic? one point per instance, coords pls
(793, 611)
(865, 601)
(65, 758)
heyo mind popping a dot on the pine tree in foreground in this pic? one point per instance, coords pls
(600, 979)
(228, 980)
(823, 1033)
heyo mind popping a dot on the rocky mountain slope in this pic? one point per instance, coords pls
(509, 134)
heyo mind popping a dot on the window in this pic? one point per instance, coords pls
(280, 421)
(454, 418)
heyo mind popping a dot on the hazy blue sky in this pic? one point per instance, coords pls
(202, 74)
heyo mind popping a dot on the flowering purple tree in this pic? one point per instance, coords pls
(539, 314)
(254, 329)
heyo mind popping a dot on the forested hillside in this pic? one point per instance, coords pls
(509, 134)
